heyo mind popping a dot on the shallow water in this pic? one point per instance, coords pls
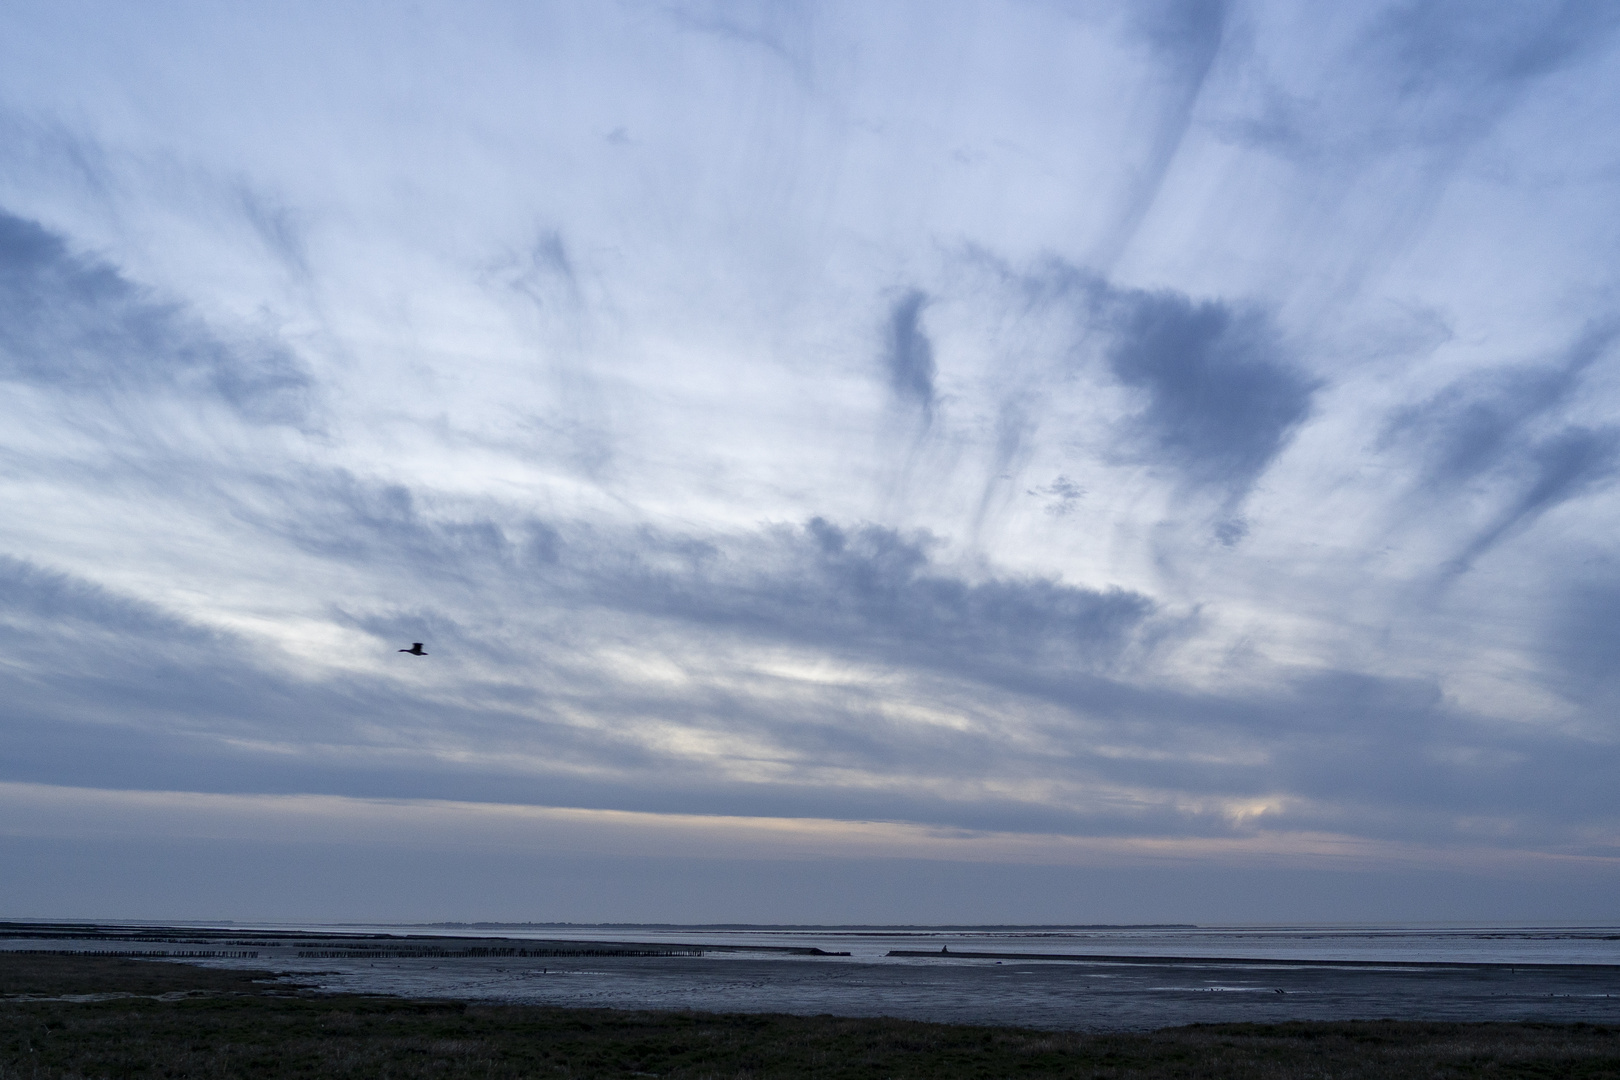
(1406, 944)
(1568, 984)
(1033, 994)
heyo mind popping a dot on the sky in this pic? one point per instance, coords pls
(997, 461)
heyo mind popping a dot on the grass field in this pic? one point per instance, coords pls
(175, 1020)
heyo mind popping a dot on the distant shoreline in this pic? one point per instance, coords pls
(1242, 961)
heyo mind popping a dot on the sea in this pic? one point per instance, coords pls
(1099, 978)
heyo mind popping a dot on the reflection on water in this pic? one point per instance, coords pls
(1035, 994)
(1572, 973)
(1525, 945)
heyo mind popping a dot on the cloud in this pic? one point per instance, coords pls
(1217, 392)
(869, 587)
(606, 425)
(1419, 76)
(908, 356)
(1035, 727)
(279, 228)
(1502, 435)
(1048, 731)
(1581, 641)
(1455, 49)
(772, 29)
(68, 322)
(1560, 468)
(1222, 398)
(860, 590)
(1186, 37)
(1062, 496)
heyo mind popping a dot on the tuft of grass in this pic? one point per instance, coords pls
(225, 1024)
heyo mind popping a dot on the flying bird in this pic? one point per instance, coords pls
(415, 649)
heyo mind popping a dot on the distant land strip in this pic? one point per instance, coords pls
(875, 929)
(1244, 961)
(103, 939)
(147, 954)
(462, 954)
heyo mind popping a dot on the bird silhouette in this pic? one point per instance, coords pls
(415, 649)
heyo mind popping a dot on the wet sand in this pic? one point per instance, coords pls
(1095, 993)
(78, 1015)
(1058, 995)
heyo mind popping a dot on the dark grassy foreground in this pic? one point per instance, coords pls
(196, 1022)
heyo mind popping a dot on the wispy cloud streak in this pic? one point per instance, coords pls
(1028, 420)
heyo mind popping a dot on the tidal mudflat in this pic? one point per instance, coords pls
(1075, 979)
(92, 1016)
